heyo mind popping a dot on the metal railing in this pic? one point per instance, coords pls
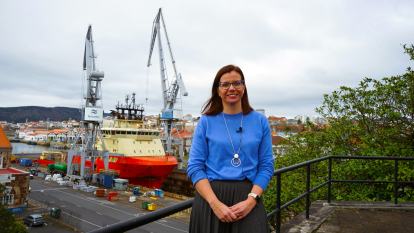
(159, 214)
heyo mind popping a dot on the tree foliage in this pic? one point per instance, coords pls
(7, 221)
(373, 119)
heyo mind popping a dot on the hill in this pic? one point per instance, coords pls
(36, 113)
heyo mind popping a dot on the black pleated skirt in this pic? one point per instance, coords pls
(229, 192)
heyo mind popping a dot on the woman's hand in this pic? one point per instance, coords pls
(224, 213)
(242, 209)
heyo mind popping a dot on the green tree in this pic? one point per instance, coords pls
(373, 119)
(7, 221)
(299, 122)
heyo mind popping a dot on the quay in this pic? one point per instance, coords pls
(86, 212)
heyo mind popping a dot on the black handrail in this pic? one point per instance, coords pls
(329, 181)
(156, 215)
(145, 219)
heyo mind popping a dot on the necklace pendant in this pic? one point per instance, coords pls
(236, 156)
(235, 162)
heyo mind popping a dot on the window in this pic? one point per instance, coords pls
(134, 151)
(148, 142)
(123, 132)
(9, 199)
(128, 132)
(155, 142)
(140, 151)
(140, 142)
(117, 132)
(149, 151)
(133, 142)
(1, 161)
(153, 151)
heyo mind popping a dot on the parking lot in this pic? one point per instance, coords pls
(50, 226)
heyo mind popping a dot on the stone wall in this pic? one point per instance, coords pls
(20, 188)
(6, 153)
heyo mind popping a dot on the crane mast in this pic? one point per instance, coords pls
(92, 116)
(170, 93)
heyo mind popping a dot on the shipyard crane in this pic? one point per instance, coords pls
(92, 116)
(170, 93)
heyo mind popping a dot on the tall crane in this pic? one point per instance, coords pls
(170, 92)
(92, 116)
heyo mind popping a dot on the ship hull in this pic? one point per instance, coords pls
(146, 171)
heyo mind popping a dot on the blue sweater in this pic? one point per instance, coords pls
(211, 151)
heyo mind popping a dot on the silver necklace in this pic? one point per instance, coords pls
(235, 162)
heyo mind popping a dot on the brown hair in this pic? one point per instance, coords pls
(214, 105)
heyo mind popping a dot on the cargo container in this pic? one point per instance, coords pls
(26, 162)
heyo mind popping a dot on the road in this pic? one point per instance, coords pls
(91, 212)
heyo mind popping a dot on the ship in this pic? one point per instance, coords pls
(135, 149)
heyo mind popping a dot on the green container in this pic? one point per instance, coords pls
(50, 167)
(61, 166)
(55, 212)
(145, 205)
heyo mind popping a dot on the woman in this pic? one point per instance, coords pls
(231, 160)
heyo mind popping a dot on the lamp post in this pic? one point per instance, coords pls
(43, 201)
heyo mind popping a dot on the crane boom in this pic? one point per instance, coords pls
(92, 116)
(170, 93)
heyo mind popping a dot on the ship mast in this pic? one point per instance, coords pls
(170, 94)
(92, 116)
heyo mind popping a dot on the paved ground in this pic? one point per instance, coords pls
(87, 212)
(50, 226)
(367, 221)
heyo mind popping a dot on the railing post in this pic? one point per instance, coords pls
(307, 190)
(396, 182)
(329, 179)
(278, 203)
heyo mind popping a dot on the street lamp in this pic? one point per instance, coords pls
(42, 191)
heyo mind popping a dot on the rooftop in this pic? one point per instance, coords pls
(4, 141)
(354, 216)
(10, 171)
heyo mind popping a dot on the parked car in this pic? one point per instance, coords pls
(31, 176)
(33, 220)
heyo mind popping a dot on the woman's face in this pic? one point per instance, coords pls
(231, 96)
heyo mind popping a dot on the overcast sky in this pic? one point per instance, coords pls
(291, 52)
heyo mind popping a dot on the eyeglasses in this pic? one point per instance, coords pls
(236, 84)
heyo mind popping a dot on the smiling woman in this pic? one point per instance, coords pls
(231, 160)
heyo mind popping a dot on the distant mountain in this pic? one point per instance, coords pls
(36, 113)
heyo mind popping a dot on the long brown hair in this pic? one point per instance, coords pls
(214, 105)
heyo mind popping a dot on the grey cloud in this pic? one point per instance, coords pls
(291, 52)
